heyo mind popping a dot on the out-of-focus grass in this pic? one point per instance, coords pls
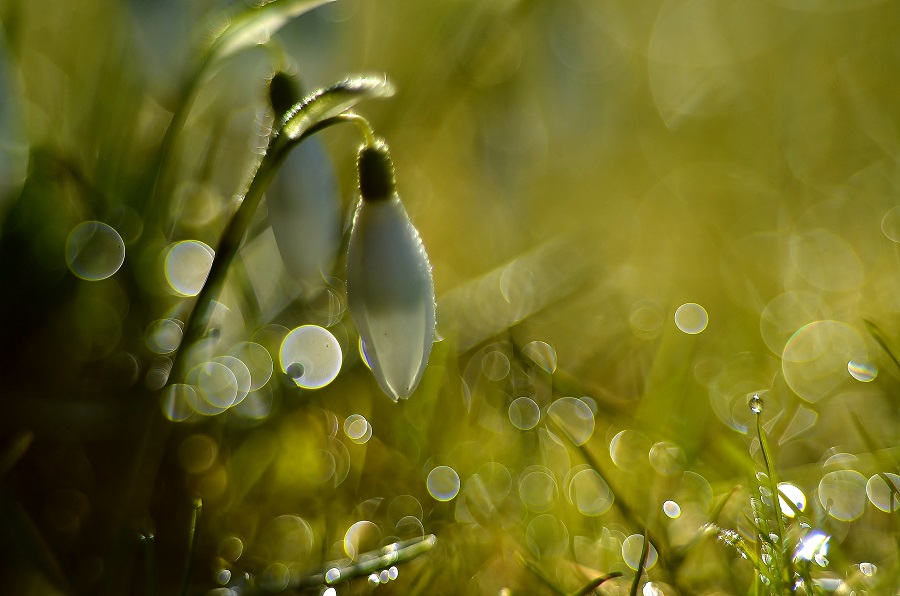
(638, 215)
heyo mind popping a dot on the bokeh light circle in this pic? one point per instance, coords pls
(524, 413)
(631, 552)
(187, 264)
(94, 251)
(881, 495)
(691, 318)
(537, 489)
(542, 354)
(547, 536)
(796, 496)
(357, 428)
(667, 458)
(216, 384)
(311, 356)
(890, 224)
(574, 418)
(163, 336)
(589, 493)
(843, 494)
(443, 483)
(671, 509)
(257, 360)
(815, 360)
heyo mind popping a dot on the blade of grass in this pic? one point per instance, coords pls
(879, 336)
(645, 550)
(192, 544)
(773, 485)
(595, 583)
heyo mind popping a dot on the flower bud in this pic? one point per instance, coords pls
(389, 284)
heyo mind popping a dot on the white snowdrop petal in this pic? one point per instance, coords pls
(391, 294)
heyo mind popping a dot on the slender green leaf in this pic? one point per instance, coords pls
(879, 336)
(257, 24)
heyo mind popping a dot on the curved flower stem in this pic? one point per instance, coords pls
(236, 229)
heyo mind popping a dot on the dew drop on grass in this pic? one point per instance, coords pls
(374, 580)
(650, 589)
(524, 413)
(384, 576)
(332, 575)
(94, 251)
(443, 483)
(631, 552)
(691, 318)
(187, 265)
(542, 354)
(393, 572)
(755, 402)
(868, 569)
(311, 356)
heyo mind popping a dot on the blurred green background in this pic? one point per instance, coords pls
(638, 213)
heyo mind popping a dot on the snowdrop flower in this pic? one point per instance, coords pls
(389, 284)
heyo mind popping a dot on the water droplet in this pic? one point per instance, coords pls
(811, 545)
(755, 402)
(650, 589)
(374, 580)
(384, 576)
(524, 413)
(868, 569)
(443, 483)
(542, 354)
(862, 370)
(671, 509)
(187, 265)
(631, 552)
(691, 318)
(94, 251)
(311, 356)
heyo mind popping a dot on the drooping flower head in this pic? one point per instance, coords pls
(389, 284)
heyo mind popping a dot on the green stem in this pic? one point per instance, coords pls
(776, 505)
(645, 550)
(192, 544)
